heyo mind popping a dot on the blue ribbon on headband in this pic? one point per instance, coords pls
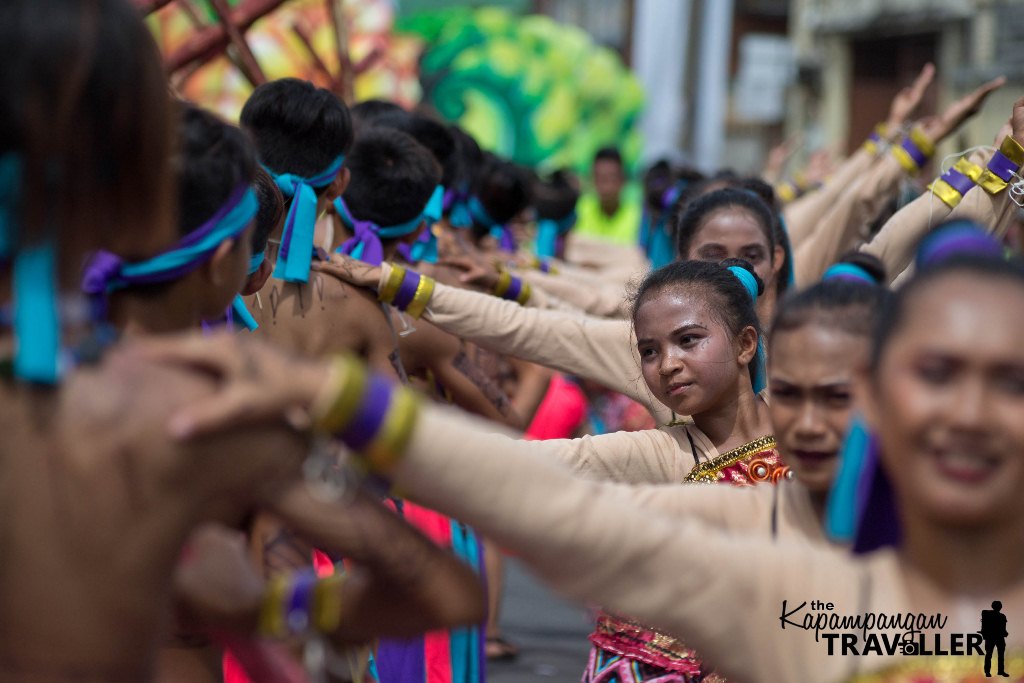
(238, 309)
(36, 319)
(550, 231)
(850, 272)
(502, 233)
(861, 505)
(456, 204)
(296, 250)
(425, 248)
(760, 375)
(107, 272)
(365, 243)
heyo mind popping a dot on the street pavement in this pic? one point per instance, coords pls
(551, 633)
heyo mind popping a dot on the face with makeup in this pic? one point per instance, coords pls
(810, 376)
(688, 356)
(734, 232)
(947, 401)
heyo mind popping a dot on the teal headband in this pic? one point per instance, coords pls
(849, 272)
(36, 320)
(238, 307)
(296, 250)
(760, 374)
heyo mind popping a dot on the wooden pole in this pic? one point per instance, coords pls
(246, 61)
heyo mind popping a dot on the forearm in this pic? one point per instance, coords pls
(804, 214)
(600, 350)
(405, 585)
(596, 297)
(851, 211)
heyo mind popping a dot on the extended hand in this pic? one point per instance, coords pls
(908, 99)
(255, 382)
(348, 269)
(967, 106)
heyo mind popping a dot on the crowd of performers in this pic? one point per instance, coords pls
(266, 387)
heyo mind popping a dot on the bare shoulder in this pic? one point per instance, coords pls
(114, 418)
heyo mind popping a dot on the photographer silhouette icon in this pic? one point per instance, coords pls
(993, 630)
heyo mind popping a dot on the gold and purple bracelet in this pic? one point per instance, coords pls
(952, 185)
(407, 291)
(1002, 167)
(296, 603)
(914, 150)
(368, 413)
(512, 288)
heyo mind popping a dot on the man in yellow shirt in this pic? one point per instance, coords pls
(605, 214)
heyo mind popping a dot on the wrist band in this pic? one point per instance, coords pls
(300, 601)
(295, 603)
(272, 610)
(327, 603)
(786, 191)
(512, 288)
(1002, 167)
(913, 151)
(407, 291)
(876, 140)
(954, 183)
(544, 265)
(367, 413)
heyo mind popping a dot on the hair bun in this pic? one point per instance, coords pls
(857, 266)
(956, 238)
(746, 275)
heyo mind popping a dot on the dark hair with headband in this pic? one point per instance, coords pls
(848, 298)
(366, 113)
(393, 177)
(555, 197)
(213, 159)
(86, 114)
(298, 128)
(701, 209)
(724, 292)
(431, 134)
(469, 157)
(957, 248)
(503, 190)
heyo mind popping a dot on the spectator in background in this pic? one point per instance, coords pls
(605, 214)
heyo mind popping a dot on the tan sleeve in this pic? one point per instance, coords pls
(600, 254)
(593, 543)
(646, 457)
(895, 243)
(995, 212)
(805, 214)
(603, 299)
(600, 350)
(745, 509)
(851, 211)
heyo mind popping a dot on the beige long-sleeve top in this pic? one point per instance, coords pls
(895, 243)
(592, 295)
(738, 599)
(597, 349)
(804, 214)
(854, 208)
(608, 258)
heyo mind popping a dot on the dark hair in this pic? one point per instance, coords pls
(609, 154)
(721, 288)
(847, 305)
(978, 266)
(433, 135)
(701, 208)
(367, 112)
(271, 211)
(85, 109)
(213, 159)
(469, 158)
(503, 190)
(555, 197)
(393, 177)
(297, 127)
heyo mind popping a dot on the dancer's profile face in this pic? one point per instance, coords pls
(734, 232)
(810, 376)
(688, 357)
(947, 401)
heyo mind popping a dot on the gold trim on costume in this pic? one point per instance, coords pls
(972, 171)
(949, 195)
(424, 290)
(706, 471)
